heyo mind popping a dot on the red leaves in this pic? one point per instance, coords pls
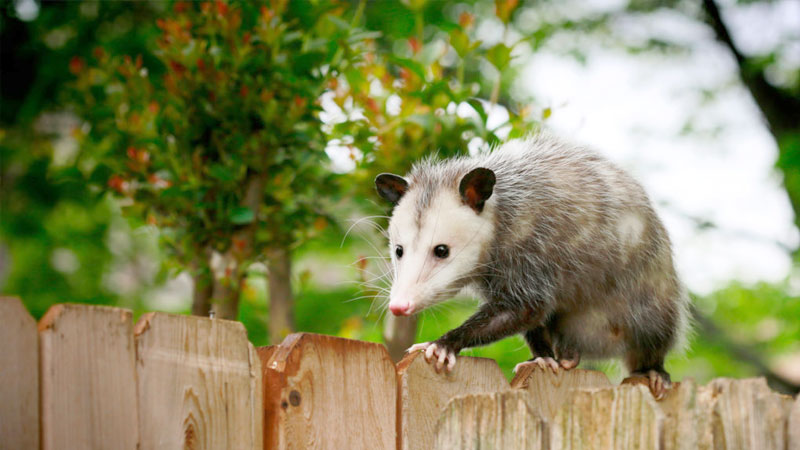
(138, 155)
(415, 45)
(98, 53)
(177, 67)
(222, 8)
(181, 7)
(76, 65)
(465, 20)
(118, 184)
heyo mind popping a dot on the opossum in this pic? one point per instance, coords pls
(561, 245)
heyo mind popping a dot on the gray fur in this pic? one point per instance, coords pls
(577, 244)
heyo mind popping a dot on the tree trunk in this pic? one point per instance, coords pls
(226, 286)
(780, 108)
(201, 297)
(281, 308)
(399, 333)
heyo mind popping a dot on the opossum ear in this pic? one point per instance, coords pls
(476, 187)
(391, 187)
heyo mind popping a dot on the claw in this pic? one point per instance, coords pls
(440, 357)
(658, 385)
(545, 362)
(418, 347)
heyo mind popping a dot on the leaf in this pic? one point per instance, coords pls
(546, 113)
(460, 42)
(478, 107)
(410, 65)
(221, 172)
(242, 215)
(499, 56)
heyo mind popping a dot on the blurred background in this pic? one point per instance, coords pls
(218, 157)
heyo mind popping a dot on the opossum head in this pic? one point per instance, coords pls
(439, 232)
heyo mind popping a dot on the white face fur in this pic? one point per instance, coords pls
(432, 260)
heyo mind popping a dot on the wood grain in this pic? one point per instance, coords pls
(19, 377)
(199, 384)
(687, 417)
(88, 379)
(422, 393)
(624, 417)
(748, 415)
(499, 420)
(548, 390)
(793, 427)
(326, 392)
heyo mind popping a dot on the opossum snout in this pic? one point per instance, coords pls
(401, 309)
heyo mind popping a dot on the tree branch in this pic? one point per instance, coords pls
(781, 110)
(744, 353)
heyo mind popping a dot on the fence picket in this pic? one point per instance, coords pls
(747, 414)
(324, 392)
(499, 420)
(19, 377)
(423, 394)
(548, 390)
(622, 417)
(793, 426)
(199, 384)
(88, 380)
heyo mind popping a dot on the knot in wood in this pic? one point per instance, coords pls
(294, 398)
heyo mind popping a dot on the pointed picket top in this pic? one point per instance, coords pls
(329, 392)
(423, 393)
(548, 390)
(498, 420)
(19, 380)
(87, 365)
(622, 417)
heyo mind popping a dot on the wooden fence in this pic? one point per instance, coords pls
(88, 378)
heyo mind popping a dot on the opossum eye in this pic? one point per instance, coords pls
(398, 251)
(441, 251)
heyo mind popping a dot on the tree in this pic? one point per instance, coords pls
(225, 153)
(420, 93)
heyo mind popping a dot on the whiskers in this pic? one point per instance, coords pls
(375, 272)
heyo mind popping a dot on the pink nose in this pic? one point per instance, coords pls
(401, 309)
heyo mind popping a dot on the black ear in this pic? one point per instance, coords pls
(476, 187)
(391, 187)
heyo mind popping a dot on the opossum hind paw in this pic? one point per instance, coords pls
(658, 382)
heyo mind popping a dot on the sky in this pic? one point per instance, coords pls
(634, 109)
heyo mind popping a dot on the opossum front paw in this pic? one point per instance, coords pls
(437, 354)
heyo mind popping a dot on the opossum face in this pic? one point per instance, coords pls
(437, 236)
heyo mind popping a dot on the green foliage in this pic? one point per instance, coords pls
(216, 99)
(238, 103)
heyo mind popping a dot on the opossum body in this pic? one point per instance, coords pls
(561, 245)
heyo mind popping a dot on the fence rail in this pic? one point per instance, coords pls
(88, 378)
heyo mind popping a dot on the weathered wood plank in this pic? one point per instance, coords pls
(199, 384)
(687, 411)
(329, 393)
(423, 393)
(19, 377)
(624, 417)
(499, 420)
(548, 390)
(793, 427)
(748, 415)
(88, 379)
